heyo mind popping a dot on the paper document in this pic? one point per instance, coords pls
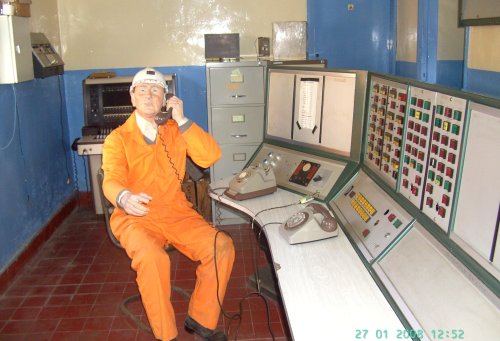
(308, 101)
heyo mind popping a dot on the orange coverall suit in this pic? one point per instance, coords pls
(129, 162)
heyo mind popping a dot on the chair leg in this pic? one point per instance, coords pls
(126, 311)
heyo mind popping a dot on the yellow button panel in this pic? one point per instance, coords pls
(366, 204)
(362, 213)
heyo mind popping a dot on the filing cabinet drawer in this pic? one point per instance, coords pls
(233, 160)
(236, 85)
(238, 124)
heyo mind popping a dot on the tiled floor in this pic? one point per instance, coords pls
(72, 289)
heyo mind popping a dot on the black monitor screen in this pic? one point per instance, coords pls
(225, 45)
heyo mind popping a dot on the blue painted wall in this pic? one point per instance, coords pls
(357, 39)
(448, 72)
(482, 82)
(406, 69)
(35, 162)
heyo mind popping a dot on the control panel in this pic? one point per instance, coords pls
(372, 218)
(444, 153)
(431, 153)
(413, 142)
(422, 208)
(416, 144)
(385, 128)
(300, 172)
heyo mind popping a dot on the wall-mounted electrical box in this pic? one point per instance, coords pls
(46, 61)
(16, 64)
(264, 46)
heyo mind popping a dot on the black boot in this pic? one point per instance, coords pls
(207, 334)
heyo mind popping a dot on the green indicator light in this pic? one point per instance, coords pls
(431, 175)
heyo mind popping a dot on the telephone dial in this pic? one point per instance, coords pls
(314, 222)
(252, 182)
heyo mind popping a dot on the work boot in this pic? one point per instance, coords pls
(207, 334)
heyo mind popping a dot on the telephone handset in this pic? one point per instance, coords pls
(314, 222)
(191, 168)
(164, 116)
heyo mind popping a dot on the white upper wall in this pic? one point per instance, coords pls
(44, 18)
(484, 48)
(92, 34)
(450, 36)
(407, 31)
(96, 34)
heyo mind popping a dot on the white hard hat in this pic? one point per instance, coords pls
(149, 76)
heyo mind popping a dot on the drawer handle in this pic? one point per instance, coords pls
(239, 135)
(238, 96)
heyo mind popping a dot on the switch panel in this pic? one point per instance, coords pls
(371, 217)
(413, 142)
(416, 144)
(447, 132)
(385, 128)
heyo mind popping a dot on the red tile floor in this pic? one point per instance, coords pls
(72, 288)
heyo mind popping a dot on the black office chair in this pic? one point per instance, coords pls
(108, 208)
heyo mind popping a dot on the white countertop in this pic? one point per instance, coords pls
(327, 291)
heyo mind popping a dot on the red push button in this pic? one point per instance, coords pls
(429, 188)
(429, 201)
(449, 172)
(445, 200)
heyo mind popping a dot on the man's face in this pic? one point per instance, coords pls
(148, 99)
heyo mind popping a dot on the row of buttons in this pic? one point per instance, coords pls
(419, 102)
(447, 126)
(366, 204)
(419, 115)
(449, 112)
(361, 212)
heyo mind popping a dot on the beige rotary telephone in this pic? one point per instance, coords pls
(252, 182)
(314, 222)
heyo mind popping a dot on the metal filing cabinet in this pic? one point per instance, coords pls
(235, 99)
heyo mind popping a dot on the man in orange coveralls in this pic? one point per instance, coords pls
(143, 167)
